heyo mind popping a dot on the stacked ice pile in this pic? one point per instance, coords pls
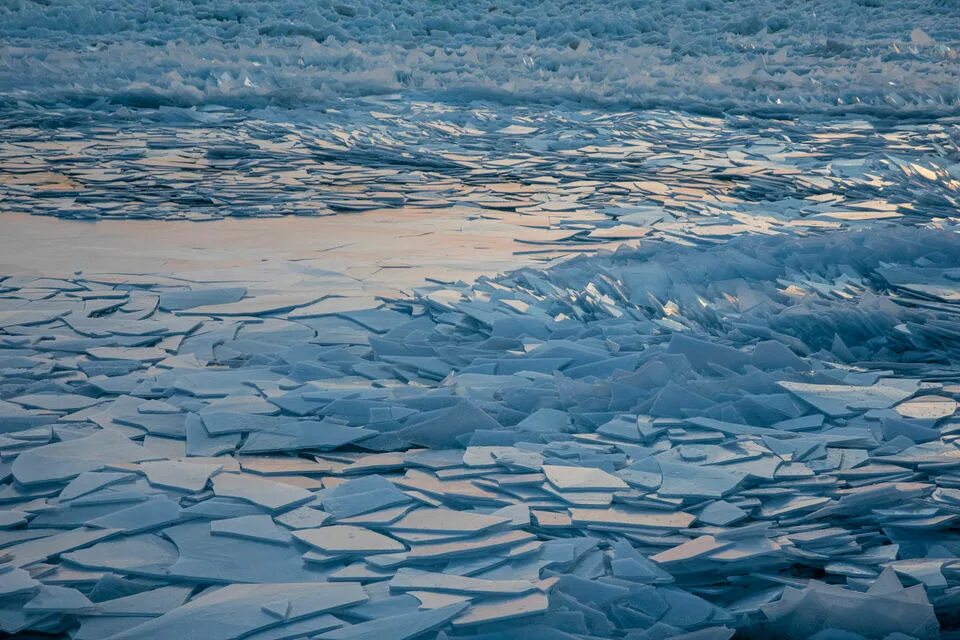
(657, 442)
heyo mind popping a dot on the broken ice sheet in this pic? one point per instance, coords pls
(266, 493)
(204, 556)
(691, 550)
(667, 440)
(415, 580)
(236, 610)
(64, 460)
(886, 607)
(582, 479)
(348, 540)
(186, 475)
(446, 521)
(627, 519)
(691, 480)
(438, 551)
(303, 434)
(399, 627)
(503, 609)
(360, 496)
(257, 527)
(931, 408)
(843, 400)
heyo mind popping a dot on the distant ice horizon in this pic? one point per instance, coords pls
(703, 56)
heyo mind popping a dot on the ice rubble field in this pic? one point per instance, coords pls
(734, 412)
(749, 56)
(619, 444)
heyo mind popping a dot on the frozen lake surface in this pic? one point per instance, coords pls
(293, 346)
